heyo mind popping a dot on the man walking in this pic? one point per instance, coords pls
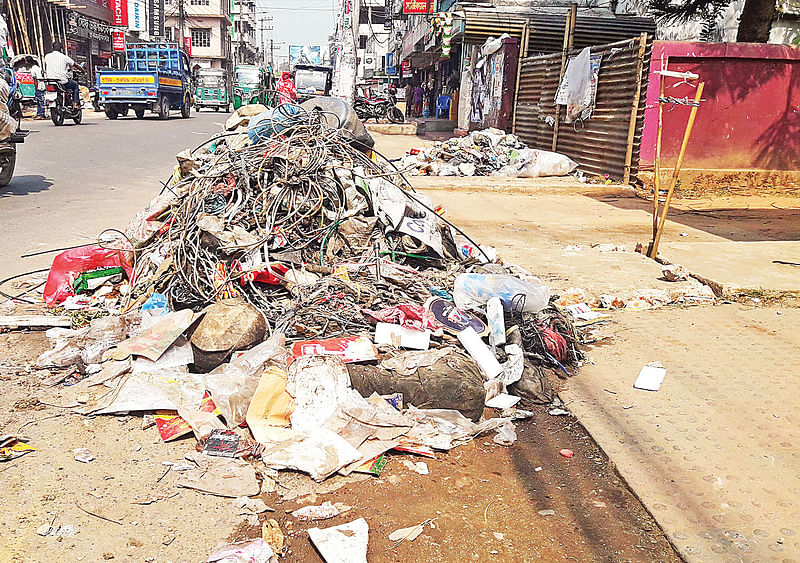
(38, 76)
(57, 66)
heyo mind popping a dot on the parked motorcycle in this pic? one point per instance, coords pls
(8, 147)
(61, 104)
(378, 108)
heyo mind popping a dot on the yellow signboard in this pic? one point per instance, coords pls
(169, 81)
(127, 79)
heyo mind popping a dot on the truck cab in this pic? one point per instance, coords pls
(156, 78)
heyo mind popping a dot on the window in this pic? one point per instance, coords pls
(169, 33)
(198, 2)
(362, 41)
(201, 36)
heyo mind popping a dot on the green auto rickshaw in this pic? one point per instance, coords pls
(212, 89)
(25, 82)
(250, 86)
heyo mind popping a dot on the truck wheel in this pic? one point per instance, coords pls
(186, 108)
(111, 112)
(163, 108)
(124, 111)
(7, 164)
(139, 111)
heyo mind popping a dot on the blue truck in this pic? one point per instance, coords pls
(157, 78)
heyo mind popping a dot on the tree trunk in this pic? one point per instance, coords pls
(756, 21)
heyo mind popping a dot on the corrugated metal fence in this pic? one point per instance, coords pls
(609, 141)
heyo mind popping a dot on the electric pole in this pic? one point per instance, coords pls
(181, 22)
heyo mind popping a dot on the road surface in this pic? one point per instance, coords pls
(73, 181)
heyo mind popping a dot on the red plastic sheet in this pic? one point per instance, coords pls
(407, 315)
(71, 263)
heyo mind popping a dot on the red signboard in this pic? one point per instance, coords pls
(419, 6)
(119, 12)
(187, 45)
(117, 40)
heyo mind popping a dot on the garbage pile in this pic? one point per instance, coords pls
(297, 285)
(489, 152)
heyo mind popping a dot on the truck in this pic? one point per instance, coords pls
(312, 80)
(156, 78)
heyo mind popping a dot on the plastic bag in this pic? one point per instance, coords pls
(578, 80)
(233, 385)
(70, 264)
(533, 163)
(472, 291)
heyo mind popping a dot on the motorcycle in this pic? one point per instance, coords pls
(8, 147)
(61, 104)
(378, 108)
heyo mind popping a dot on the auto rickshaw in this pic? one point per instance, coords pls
(25, 83)
(212, 89)
(250, 86)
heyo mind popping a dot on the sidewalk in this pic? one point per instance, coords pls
(714, 453)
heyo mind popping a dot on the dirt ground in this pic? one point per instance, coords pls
(484, 499)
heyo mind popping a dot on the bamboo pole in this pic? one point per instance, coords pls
(40, 35)
(674, 180)
(16, 31)
(637, 95)
(569, 37)
(24, 25)
(657, 179)
(48, 15)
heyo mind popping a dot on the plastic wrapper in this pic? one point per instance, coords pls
(232, 385)
(70, 264)
(472, 291)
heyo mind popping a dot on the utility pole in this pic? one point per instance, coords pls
(181, 22)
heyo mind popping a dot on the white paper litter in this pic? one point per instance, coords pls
(317, 384)
(502, 401)
(650, 377)
(402, 337)
(346, 543)
(318, 452)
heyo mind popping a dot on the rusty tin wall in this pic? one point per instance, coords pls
(601, 146)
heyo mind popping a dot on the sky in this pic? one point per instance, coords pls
(296, 22)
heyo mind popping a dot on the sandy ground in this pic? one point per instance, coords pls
(485, 499)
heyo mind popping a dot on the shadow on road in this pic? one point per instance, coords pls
(26, 185)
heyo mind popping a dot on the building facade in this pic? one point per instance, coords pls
(208, 25)
(245, 46)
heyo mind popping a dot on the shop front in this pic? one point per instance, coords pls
(88, 41)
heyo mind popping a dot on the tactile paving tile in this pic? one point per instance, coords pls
(715, 453)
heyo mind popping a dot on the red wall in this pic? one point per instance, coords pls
(750, 113)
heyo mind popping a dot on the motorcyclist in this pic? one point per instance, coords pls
(58, 66)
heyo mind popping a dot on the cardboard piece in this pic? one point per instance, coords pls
(270, 408)
(154, 341)
(220, 476)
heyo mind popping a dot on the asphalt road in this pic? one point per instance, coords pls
(71, 182)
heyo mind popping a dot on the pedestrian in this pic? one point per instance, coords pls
(58, 66)
(38, 77)
(419, 95)
(430, 96)
(287, 89)
(409, 99)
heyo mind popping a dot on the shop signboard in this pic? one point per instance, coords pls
(85, 27)
(117, 40)
(419, 6)
(119, 13)
(391, 68)
(136, 20)
(155, 18)
(187, 45)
